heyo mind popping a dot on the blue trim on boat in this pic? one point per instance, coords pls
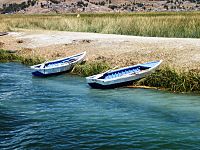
(38, 74)
(110, 86)
(68, 59)
(60, 62)
(121, 72)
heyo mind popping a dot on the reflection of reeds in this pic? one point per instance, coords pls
(144, 24)
(91, 68)
(173, 80)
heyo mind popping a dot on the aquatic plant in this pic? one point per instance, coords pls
(173, 80)
(12, 56)
(90, 68)
(7, 56)
(31, 61)
(165, 78)
(160, 24)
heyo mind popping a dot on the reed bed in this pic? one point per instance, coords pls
(139, 24)
(90, 68)
(7, 56)
(173, 80)
(10, 56)
(165, 78)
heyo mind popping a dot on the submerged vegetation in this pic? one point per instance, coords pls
(162, 24)
(10, 56)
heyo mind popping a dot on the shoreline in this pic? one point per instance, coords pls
(181, 56)
(165, 78)
(117, 50)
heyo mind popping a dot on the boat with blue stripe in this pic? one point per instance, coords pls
(123, 76)
(57, 66)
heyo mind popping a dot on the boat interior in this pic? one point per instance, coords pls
(68, 60)
(55, 63)
(121, 72)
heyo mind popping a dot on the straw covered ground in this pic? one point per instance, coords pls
(117, 50)
(180, 71)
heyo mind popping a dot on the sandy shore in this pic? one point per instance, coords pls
(119, 50)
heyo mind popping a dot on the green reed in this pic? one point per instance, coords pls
(161, 24)
(90, 68)
(173, 80)
(165, 78)
(7, 56)
(11, 56)
(31, 61)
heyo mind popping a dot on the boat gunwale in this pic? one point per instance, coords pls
(125, 75)
(81, 55)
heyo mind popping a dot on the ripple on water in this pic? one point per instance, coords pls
(62, 112)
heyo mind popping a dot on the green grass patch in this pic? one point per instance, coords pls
(8, 56)
(166, 78)
(172, 80)
(11, 56)
(90, 68)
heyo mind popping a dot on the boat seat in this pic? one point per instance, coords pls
(118, 74)
(108, 77)
(137, 70)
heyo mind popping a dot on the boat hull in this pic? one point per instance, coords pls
(100, 84)
(119, 79)
(110, 86)
(57, 67)
(39, 74)
(53, 71)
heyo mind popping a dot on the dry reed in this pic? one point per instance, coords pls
(142, 24)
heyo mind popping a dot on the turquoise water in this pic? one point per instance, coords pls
(62, 112)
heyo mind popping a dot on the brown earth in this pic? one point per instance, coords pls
(118, 50)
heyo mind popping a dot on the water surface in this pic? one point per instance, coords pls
(63, 112)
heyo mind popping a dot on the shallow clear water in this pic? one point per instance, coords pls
(62, 112)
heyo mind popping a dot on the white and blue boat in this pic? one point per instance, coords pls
(123, 76)
(57, 66)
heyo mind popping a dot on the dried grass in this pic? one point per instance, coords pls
(143, 24)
